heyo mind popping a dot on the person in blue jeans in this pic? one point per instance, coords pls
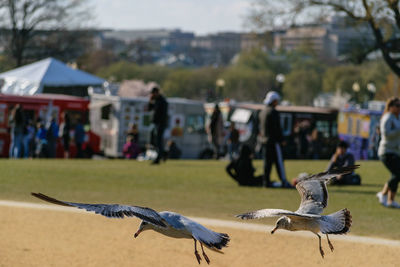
(233, 142)
(28, 140)
(17, 123)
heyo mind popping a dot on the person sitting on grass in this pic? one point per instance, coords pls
(242, 170)
(131, 149)
(343, 158)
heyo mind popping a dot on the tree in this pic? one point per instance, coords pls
(246, 84)
(123, 70)
(343, 78)
(302, 86)
(22, 19)
(382, 17)
(94, 61)
(190, 83)
(258, 60)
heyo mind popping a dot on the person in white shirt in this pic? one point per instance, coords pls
(389, 151)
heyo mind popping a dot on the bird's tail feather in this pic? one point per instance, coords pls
(336, 223)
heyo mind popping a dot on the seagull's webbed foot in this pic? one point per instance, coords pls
(320, 247)
(329, 243)
(204, 254)
(196, 253)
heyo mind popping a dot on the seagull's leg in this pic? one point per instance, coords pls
(320, 247)
(204, 254)
(329, 243)
(195, 251)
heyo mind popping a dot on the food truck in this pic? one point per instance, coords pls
(358, 127)
(112, 117)
(45, 107)
(294, 120)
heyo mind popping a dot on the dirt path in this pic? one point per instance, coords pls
(35, 237)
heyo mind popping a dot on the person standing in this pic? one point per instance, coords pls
(159, 105)
(17, 123)
(389, 151)
(79, 138)
(52, 137)
(216, 130)
(272, 139)
(65, 129)
(233, 142)
(29, 136)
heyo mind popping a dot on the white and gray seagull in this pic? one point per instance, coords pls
(314, 198)
(167, 223)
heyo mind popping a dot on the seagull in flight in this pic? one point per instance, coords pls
(167, 223)
(314, 198)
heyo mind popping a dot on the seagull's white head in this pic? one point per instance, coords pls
(142, 227)
(282, 223)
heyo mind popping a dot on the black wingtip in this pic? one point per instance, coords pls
(244, 216)
(344, 170)
(49, 199)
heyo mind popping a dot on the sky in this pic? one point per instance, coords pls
(198, 16)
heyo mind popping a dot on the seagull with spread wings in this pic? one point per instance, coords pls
(314, 198)
(167, 223)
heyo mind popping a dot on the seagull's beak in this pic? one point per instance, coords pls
(137, 233)
(273, 230)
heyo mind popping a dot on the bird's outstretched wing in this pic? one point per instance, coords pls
(111, 210)
(313, 191)
(272, 213)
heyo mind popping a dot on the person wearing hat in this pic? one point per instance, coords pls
(272, 139)
(159, 105)
(343, 158)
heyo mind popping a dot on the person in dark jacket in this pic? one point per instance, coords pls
(79, 138)
(343, 158)
(272, 139)
(242, 170)
(159, 105)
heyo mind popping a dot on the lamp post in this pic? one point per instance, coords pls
(371, 90)
(280, 79)
(220, 84)
(356, 89)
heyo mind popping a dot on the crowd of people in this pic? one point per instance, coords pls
(39, 138)
(30, 139)
(270, 131)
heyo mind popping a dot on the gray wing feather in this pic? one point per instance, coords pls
(328, 175)
(271, 213)
(314, 196)
(313, 190)
(111, 210)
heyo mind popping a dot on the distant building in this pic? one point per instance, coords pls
(330, 40)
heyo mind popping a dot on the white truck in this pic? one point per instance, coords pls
(111, 117)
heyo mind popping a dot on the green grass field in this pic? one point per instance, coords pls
(193, 188)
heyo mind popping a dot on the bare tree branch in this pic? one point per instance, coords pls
(25, 17)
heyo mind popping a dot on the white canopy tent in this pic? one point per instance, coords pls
(47, 73)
